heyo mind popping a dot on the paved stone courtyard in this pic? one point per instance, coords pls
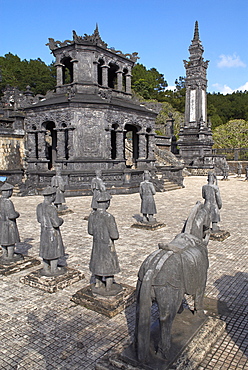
(47, 331)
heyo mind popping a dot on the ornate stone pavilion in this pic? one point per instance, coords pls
(90, 121)
(195, 137)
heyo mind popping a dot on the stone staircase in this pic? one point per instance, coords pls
(168, 185)
(162, 184)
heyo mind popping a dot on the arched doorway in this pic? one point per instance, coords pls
(51, 143)
(131, 146)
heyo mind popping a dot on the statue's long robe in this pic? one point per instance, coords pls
(102, 226)
(147, 191)
(211, 194)
(51, 244)
(9, 234)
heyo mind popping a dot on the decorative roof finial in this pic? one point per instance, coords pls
(196, 32)
(97, 27)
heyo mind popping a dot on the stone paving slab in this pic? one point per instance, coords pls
(47, 331)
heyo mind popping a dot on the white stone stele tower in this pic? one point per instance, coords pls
(195, 137)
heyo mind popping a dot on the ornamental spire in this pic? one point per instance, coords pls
(196, 32)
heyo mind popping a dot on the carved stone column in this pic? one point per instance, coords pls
(128, 83)
(142, 145)
(59, 73)
(119, 144)
(105, 75)
(31, 144)
(41, 144)
(95, 72)
(75, 70)
(119, 80)
(60, 143)
(151, 144)
(70, 142)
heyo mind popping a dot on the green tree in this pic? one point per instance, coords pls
(223, 108)
(177, 97)
(234, 134)
(20, 73)
(149, 84)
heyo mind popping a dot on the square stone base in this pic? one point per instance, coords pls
(148, 226)
(109, 306)
(219, 235)
(53, 283)
(192, 339)
(17, 266)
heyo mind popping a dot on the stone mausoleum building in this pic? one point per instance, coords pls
(90, 121)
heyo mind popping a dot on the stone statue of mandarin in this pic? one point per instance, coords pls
(211, 194)
(59, 184)
(9, 234)
(147, 191)
(104, 262)
(51, 244)
(97, 186)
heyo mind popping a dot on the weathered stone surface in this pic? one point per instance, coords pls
(191, 338)
(64, 212)
(149, 225)
(53, 283)
(109, 306)
(42, 330)
(20, 265)
(219, 235)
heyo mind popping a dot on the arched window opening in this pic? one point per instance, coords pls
(131, 146)
(99, 71)
(113, 141)
(51, 143)
(112, 77)
(148, 130)
(67, 70)
(125, 72)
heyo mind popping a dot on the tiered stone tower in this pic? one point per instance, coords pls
(195, 137)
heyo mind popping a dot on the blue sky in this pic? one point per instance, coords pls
(159, 30)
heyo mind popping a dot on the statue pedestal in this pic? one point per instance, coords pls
(20, 263)
(148, 225)
(192, 338)
(53, 283)
(109, 306)
(219, 235)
